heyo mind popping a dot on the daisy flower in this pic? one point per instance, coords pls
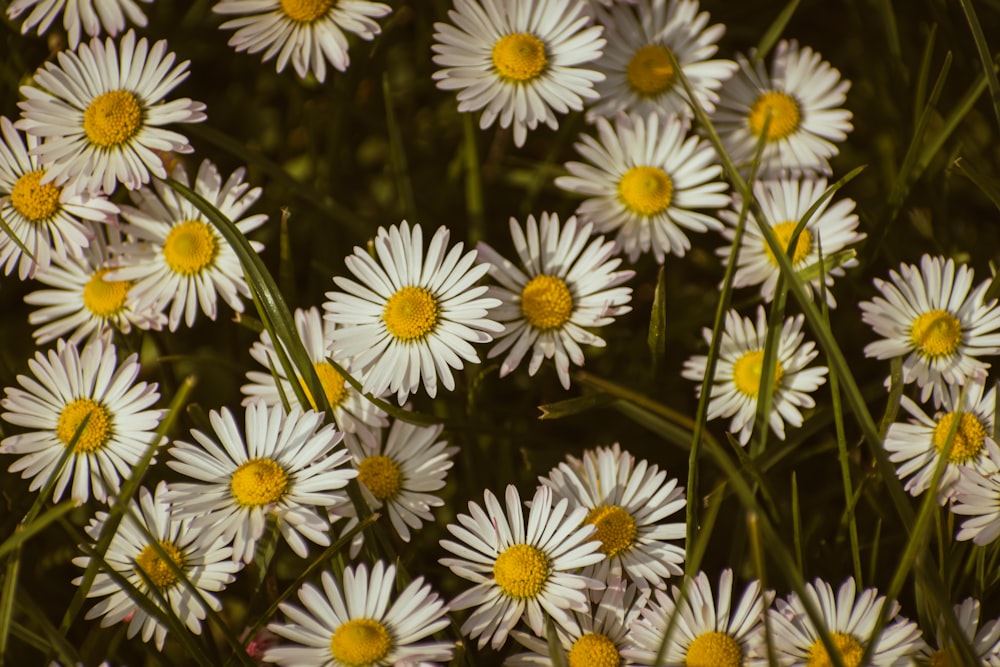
(737, 380)
(287, 466)
(639, 77)
(784, 203)
(984, 640)
(568, 285)
(644, 177)
(518, 61)
(309, 33)
(801, 96)
(89, 15)
(517, 572)
(208, 565)
(68, 387)
(100, 112)
(977, 495)
(412, 317)
(708, 633)
(49, 221)
(354, 624)
(177, 258)
(933, 316)
(628, 503)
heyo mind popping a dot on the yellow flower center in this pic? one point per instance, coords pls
(968, 440)
(546, 302)
(190, 248)
(306, 11)
(360, 642)
(748, 369)
(847, 646)
(259, 482)
(616, 529)
(521, 571)
(714, 649)
(646, 191)
(939, 658)
(519, 57)
(936, 333)
(649, 72)
(411, 313)
(783, 230)
(381, 475)
(105, 298)
(594, 650)
(333, 383)
(35, 201)
(148, 562)
(95, 434)
(781, 108)
(112, 118)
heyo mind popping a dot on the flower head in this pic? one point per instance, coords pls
(984, 639)
(977, 495)
(91, 16)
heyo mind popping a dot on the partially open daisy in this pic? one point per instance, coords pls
(413, 317)
(784, 203)
(208, 565)
(309, 33)
(354, 625)
(933, 316)
(287, 465)
(798, 104)
(643, 178)
(518, 62)
(90, 16)
(738, 381)
(977, 495)
(68, 387)
(567, 286)
(628, 503)
(983, 639)
(521, 572)
(101, 112)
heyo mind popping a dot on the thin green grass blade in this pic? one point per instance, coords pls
(7, 593)
(774, 32)
(797, 523)
(989, 68)
(409, 416)
(286, 265)
(974, 173)
(923, 76)
(5, 228)
(574, 406)
(760, 567)
(55, 643)
(657, 336)
(474, 207)
(26, 532)
(556, 653)
(397, 155)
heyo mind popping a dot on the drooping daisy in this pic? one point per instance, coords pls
(177, 258)
(47, 220)
(644, 177)
(288, 465)
(413, 317)
(801, 96)
(639, 76)
(977, 495)
(984, 640)
(628, 503)
(208, 565)
(101, 114)
(68, 387)
(929, 315)
(784, 203)
(567, 286)
(309, 33)
(354, 624)
(521, 572)
(519, 62)
(90, 16)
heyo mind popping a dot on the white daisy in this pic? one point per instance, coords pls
(567, 286)
(639, 76)
(801, 96)
(68, 387)
(288, 466)
(412, 317)
(354, 624)
(977, 495)
(177, 258)
(518, 61)
(518, 572)
(309, 33)
(644, 178)
(47, 220)
(89, 15)
(101, 114)
(984, 640)
(929, 314)
(784, 203)
(628, 503)
(208, 565)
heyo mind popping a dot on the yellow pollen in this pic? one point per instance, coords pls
(332, 382)
(259, 482)
(411, 313)
(546, 302)
(306, 11)
(381, 475)
(936, 333)
(616, 529)
(112, 118)
(35, 201)
(521, 571)
(747, 371)
(646, 191)
(783, 110)
(154, 567)
(105, 298)
(649, 72)
(847, 646)
(968, 440)
(190, 248)
(519, 57)
(96, 433)
(714, 649)
(939, 658)
(783, 230)
(360, 642)
(594, 650)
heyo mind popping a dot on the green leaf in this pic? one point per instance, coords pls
(657, 338)
(574, 406)
(774, 31)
